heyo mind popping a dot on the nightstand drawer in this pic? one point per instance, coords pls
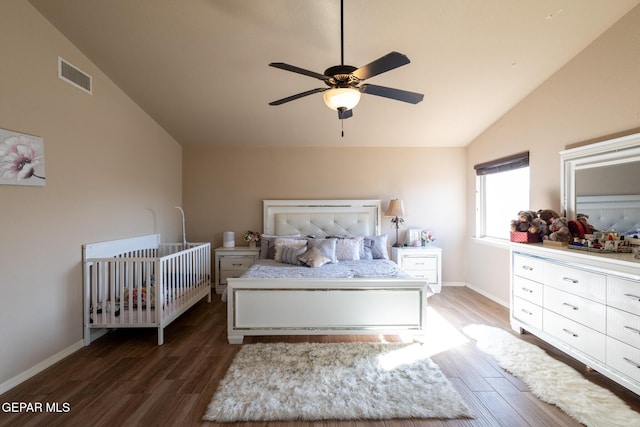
(431, 276)
(410, 262)
(233, 262)
(229, 274)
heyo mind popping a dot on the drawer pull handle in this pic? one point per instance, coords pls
(237, 264)
(527, 290)
(632, 330)
(573, 334)
(526, 267)
(632, 297)
(527, 312)
(573, 307)
(569, 279)
(631, 362)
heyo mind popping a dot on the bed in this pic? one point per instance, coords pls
(348, 297)
(141, 283)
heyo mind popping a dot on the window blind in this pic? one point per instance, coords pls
(516, 161)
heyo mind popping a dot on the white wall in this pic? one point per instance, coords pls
(595, 95)
(111, 172)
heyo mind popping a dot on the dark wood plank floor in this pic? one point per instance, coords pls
(124, 378)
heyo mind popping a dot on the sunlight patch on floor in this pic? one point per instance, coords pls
(441, 335)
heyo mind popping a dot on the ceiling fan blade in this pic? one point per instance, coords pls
(397, 94)
(345, 114)
(298, 70)
(381, 65)
(298, 95)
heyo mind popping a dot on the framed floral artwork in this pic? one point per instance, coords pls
(21, 159)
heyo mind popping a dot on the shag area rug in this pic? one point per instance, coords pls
(552, 381)
(338, 381)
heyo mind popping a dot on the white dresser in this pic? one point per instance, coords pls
(587, 305)
(232, 262)
(424, 262)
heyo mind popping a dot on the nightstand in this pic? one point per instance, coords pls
(422, 262)
(232, 262)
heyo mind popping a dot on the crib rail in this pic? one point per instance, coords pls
(147, 287)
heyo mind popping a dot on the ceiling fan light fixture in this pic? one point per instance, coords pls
(341, 97)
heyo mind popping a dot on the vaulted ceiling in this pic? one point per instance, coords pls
(200, 67)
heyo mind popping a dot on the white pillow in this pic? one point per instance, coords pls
(349, 248)
(282, 242)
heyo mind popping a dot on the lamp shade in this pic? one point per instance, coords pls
(342, 97)
(396, 208)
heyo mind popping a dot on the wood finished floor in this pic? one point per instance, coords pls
(125, 379)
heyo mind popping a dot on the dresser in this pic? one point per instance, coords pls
(232, 262)
(585, 304)
(424, 262)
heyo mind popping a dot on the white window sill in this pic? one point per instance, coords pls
(493, 241)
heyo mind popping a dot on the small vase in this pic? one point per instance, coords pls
(252, 244)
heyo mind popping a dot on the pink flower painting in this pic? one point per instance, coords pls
(21, 159)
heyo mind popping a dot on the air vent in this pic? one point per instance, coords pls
(74, 76)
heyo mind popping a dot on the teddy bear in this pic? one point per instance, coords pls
(525, 222)
(559, 230)
(547, 215)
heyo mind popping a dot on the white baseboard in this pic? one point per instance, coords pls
(20, 378)
(485, 294)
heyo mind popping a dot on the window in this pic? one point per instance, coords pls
(502, 190)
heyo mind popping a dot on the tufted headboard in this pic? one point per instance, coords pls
(321, 218)
(621, 213)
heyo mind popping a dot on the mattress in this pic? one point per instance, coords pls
(369, 269)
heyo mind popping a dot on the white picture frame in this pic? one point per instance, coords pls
(413, 237)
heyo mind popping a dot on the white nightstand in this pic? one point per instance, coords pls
(232, 262)
(422, 262)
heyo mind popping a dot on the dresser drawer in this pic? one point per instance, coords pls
(528, 267)
(576, 281)
(624, 294)
(574, 334)
(576, 308)
(623, 326)
(233, 262)
(623, 358)
(411, 262)
(527, 312)
(527, 290)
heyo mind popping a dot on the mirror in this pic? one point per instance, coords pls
(602, 180)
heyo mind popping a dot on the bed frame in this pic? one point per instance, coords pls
(324, 306)
(118, 280)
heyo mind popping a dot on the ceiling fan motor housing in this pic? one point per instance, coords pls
(341, 76)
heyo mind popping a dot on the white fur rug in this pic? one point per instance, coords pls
(553, 381)
(341, 381)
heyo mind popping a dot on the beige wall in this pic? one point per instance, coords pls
(223, 188)
(594, 95)
(111, 172)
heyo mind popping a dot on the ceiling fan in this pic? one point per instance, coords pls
(344, 82)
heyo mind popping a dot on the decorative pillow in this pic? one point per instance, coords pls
(379, 248)
(349, 248)
(313, 257)
(268, 244)
(367, 248)
(290, 254)
(284, 241)
(327, 247)
(146, 296)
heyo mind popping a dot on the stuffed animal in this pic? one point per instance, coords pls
(547, 215)
(525, 222)
(559, 230)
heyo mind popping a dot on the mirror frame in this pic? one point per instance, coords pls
(606, 153)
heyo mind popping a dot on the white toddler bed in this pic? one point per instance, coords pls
(326, 305)
(140, 283)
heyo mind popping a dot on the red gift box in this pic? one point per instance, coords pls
(524, 237)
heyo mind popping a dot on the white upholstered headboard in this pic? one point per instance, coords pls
(321, 218)
(621, 213)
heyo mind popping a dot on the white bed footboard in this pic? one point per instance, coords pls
(140, 283)
(325, 307)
